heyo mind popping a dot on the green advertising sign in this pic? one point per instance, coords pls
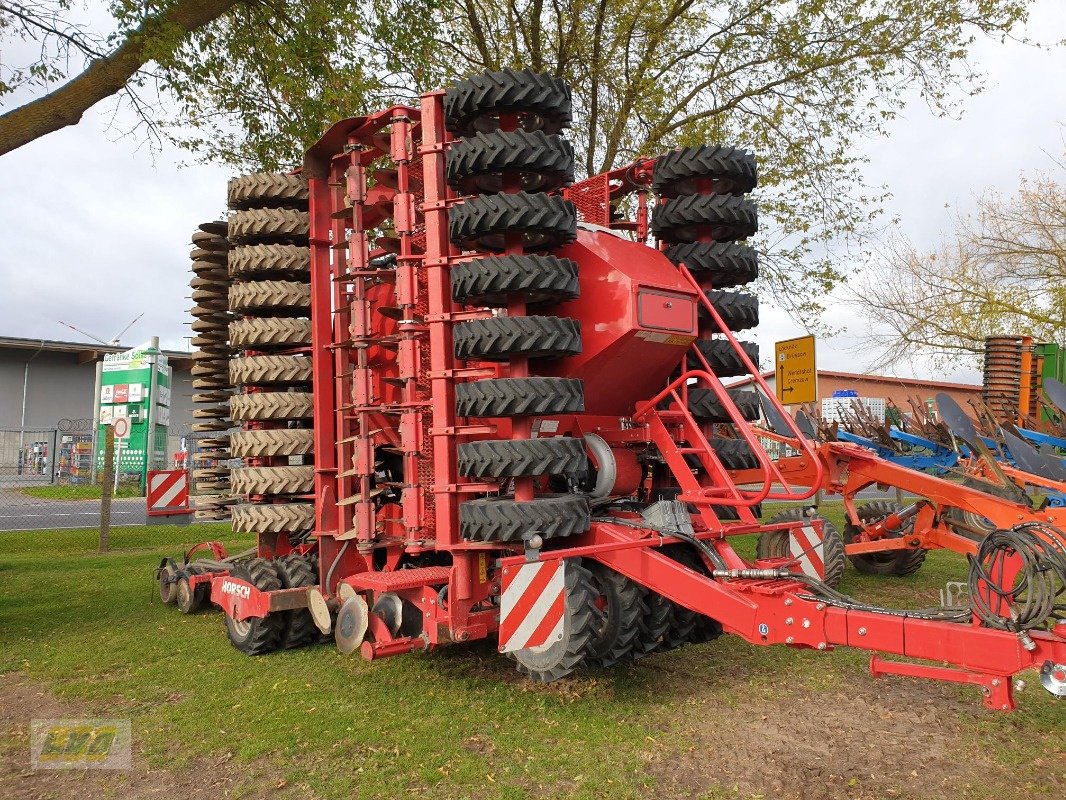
(126, 392)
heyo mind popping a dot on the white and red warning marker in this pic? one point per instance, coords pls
(168, 492)
(532, 605)
(805, 545)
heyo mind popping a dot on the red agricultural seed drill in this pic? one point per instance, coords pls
(474, 402)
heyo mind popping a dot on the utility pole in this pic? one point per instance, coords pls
(107, 488)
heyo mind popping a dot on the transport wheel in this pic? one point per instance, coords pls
(621, 602)
(167, 572)
(734, 453)
(738, 310)
(723, 359)
(512, 397)
(267, 189)
(263, 260)
(288, 298)
(296, 571)
(272, 443)
(653, 626)
(281, 225)
(706, 628)
(682, 621)
(536, 278)
(967, 523)
(704, 405)
(543, 221)
(501, 338)
(722, 264)
(775, 544)
(512, 458)
(724, 217)
(259, 370)
(270, 406)
(581, 619)
(255, 636)
(890, 562)
(268, 332)
(273, 518)
(542, 102)
(502, 519)
(541, 163)
(686, 171)
(273, 480)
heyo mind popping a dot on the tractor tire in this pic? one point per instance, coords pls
(514, 397)
(501, 338)
(685, 219)
(280, 225)
(738, 310)
(723, 264)
(257, 333)
(513, 458)
(734, 453)
(775, 544)
(890, 562)
(257, 635)
(276, 297)
(502, 519)
(682, 620)
(540, 163)
(723, 359)
(259, 370)
(267, 189)
(275, 518)
(256, 260)
(297, 571)
(474, 105)
(543, 221)
(272, 480)
(704, 405)
(685, 171)
(263, 406)
(537, 279)
(653, 627)
(706, 629)
(622, 602)
(272, 443)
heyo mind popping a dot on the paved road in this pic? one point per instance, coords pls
(19, 512)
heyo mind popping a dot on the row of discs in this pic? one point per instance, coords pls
(210, 372)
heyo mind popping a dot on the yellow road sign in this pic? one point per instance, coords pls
(796, 377)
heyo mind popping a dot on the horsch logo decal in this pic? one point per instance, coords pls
(236, 589)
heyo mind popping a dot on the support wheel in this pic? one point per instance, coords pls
(502, 338)
(502, 519)
(707, 168)
(776, 544)
(542, 221)
(189, 600)
(622, 604)
(723, 359)
(541, 102)
(296, 571)
(541, 163)
(890, 562)
(722, 264)
(724, 217)
(705, 406)
(513, 458)
(166, 574)
(738, 310)
(512, 397)
(537, 279)
(654, 626)
(257, 635)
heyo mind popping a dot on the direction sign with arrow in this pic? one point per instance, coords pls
(795, 372)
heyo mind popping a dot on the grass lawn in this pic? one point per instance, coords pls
(715, 721)
(80, 491)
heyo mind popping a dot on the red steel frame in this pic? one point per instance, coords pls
(360, 549)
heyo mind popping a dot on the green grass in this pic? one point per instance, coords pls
(80, 491)
(454, 723)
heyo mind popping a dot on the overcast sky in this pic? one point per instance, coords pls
(96, 230)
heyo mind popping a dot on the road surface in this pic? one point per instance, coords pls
(20, 512)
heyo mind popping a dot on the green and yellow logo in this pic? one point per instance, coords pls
(86, 744)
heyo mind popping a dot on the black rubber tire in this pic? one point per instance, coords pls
(623, 608)
(473, 105)
(706, 629)
(260, 189)
(513, 458)
(272, 443)
(682, 172)
(260, 225)
(724, 217)
(775, 544)
(722, 264)
(543, 220)
(296, 571)
(492, 280)
(269, 332)
(503, 519)
(969, 524)
(187, 599)
(257, 635)
(653, 627)
(723, 359)
(501, 338)
(705, 406)
(734, 453)
(897, 563)
(738, 310)
(540, 162)
(581, 619)
(259, 260)
(512, 397)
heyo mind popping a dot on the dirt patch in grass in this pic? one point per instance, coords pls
(22, 700)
